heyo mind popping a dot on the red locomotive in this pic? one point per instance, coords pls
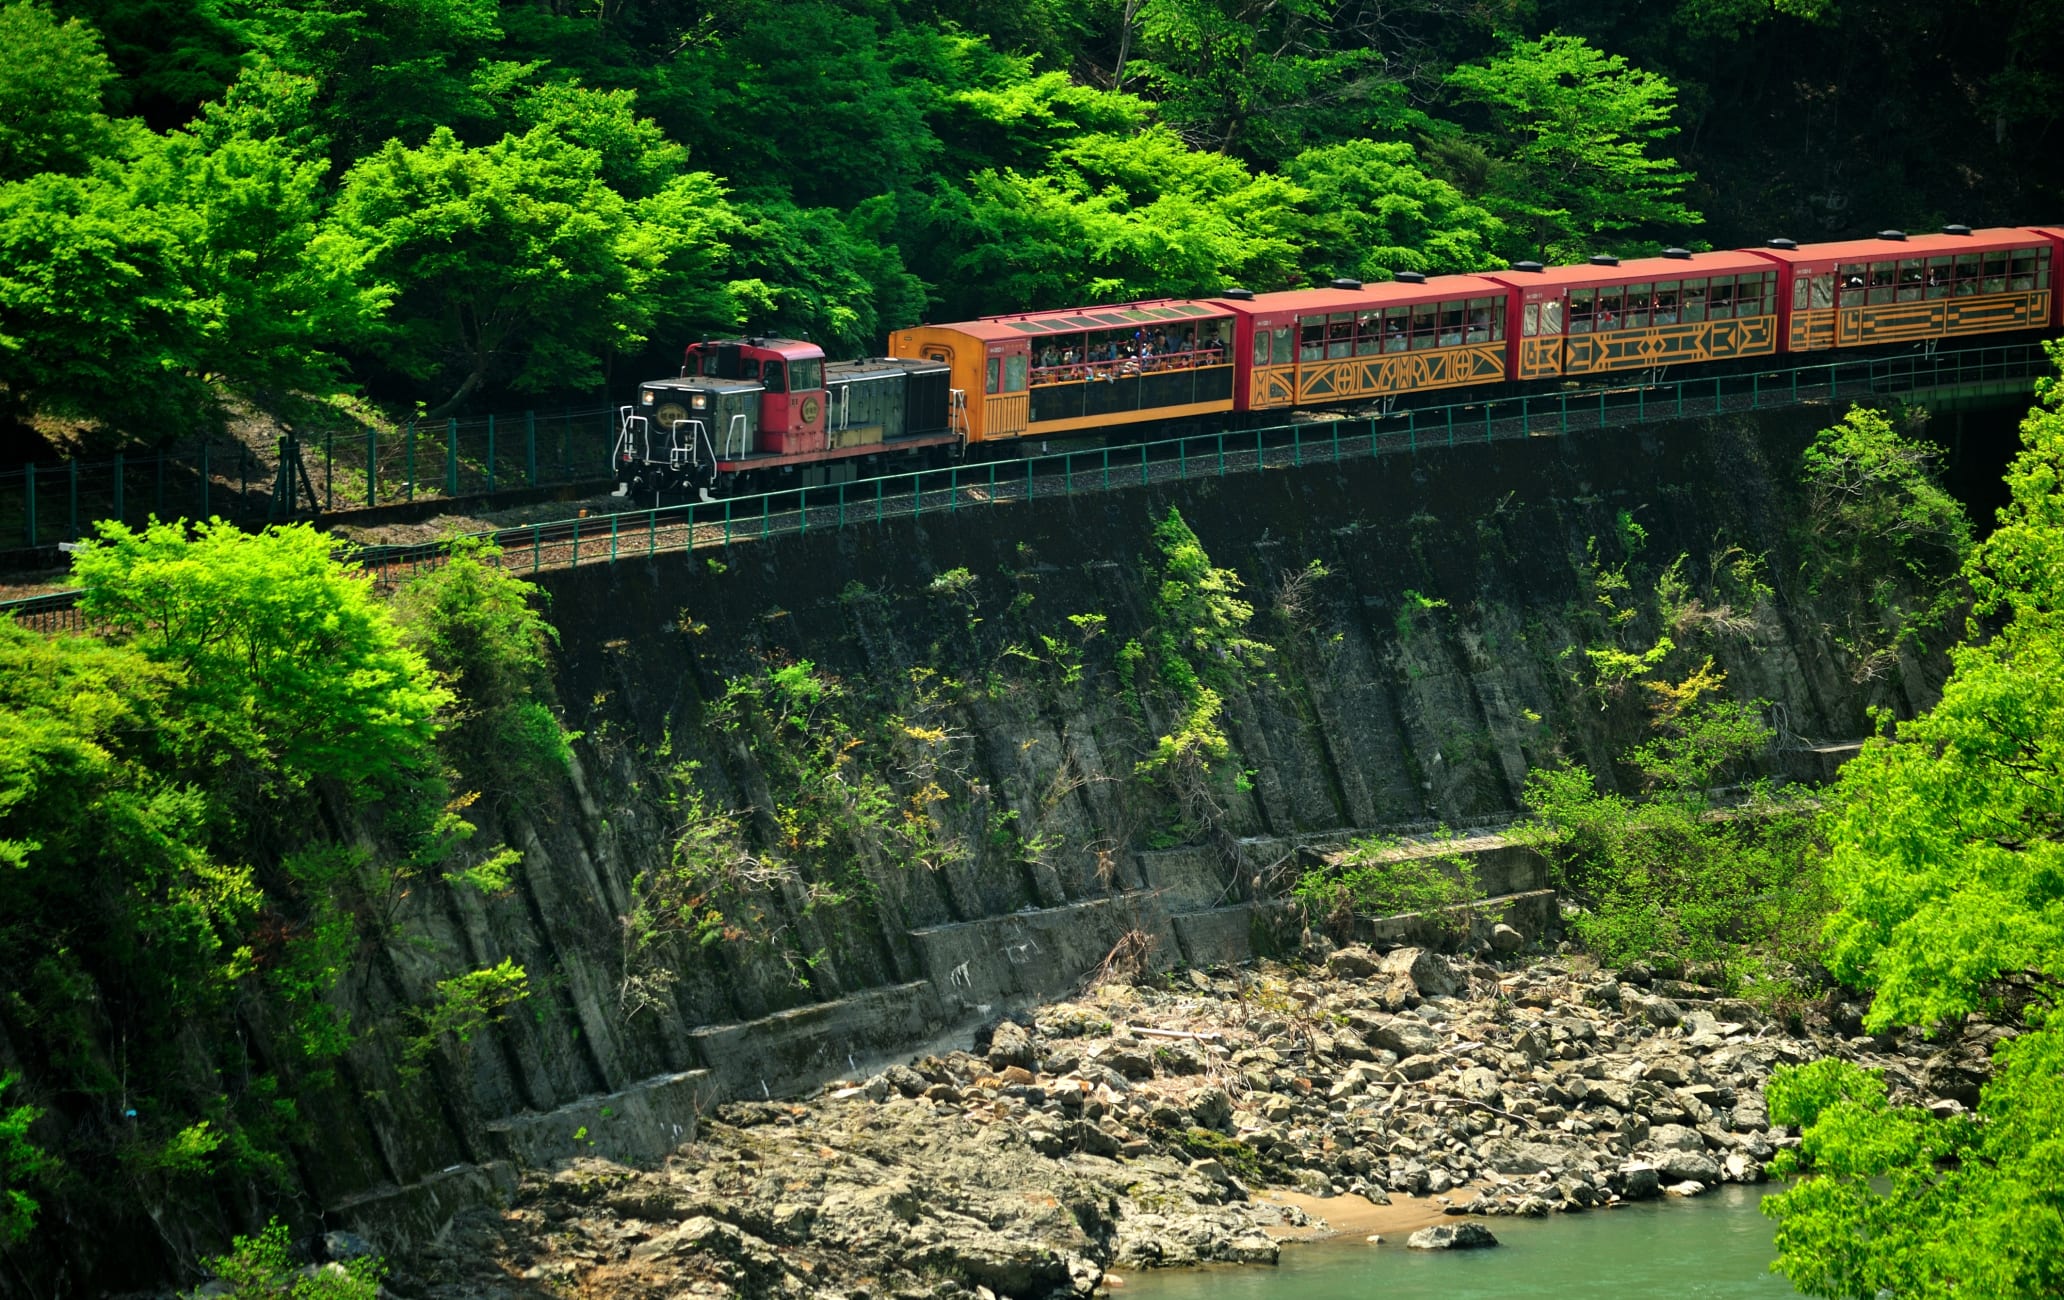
(744, 407)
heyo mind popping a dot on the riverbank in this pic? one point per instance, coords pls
(1199, 1118)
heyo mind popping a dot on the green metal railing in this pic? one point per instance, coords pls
(569, 543)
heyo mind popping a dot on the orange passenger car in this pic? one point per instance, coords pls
(1084, 368)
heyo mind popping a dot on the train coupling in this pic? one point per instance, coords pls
(622, 490)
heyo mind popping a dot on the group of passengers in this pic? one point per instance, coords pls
(1107, 358)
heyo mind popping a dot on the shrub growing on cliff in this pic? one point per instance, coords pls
(1377, 877)
(263, 1268)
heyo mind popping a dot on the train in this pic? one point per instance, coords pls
(761, 413)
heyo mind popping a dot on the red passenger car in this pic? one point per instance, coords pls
(1896, 289)
(1653, 311)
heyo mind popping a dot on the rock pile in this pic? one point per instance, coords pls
(1131, 1128)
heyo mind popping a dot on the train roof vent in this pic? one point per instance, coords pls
(1343, 282)
(1237, 294)
(1604, 259)
(1410, 277)
(1528, 266)
(1781, 242)
(1899, 235)
(1680, 254)
(1956, 230)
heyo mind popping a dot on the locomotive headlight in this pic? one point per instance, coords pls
(701, 401)
(646, 396)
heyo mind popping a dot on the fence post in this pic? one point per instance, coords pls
(119, 467)
(372, 465)
(29, 500)
(451, 457)
(409, 433)
(491, 456)
(530, 448)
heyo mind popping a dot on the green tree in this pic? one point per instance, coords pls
(513, 263)
(263, 1268)
(289, 669)
(1569, 150)
(23, 1165)
(1947, 862)
(50, 92)
(1373, 212)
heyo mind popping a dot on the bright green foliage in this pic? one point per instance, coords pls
(1116, 217)
(1675, 873)
(1374, 213)
(263, 1268)
(50, 89)
(1894, 1201)
(1946, 864)
(511, 263)
(1945, 853)
(461, 1008)
(288, 668)
(1878, 522)
(1381, 877)
(820, 273)
(22, 1165)
(479, 628)
(711, 890)
(1194, 648)
(1570, 159)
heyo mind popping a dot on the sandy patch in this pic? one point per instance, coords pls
(1351, 1216)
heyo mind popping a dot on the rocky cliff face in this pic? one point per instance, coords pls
(908, 780)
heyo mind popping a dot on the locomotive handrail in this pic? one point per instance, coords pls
(568, 543)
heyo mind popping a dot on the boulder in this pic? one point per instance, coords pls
(1353, 964)
(1506, 939)
(1010, 1045)
(1408, 1037)
(1676, 1137)
(1660, 1011)
(1211, 1108)
(1480, 1084)
(1638, 1180)
(1427, 970)
(1688, 1166)
(1451, 1236)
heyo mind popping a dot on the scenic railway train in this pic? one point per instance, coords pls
(758, 413)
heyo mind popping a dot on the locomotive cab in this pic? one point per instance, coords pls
(790, 375)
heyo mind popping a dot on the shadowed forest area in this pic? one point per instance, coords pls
(454, 206)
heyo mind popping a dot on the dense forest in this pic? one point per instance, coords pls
(449, 205)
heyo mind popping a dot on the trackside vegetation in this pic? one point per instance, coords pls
(183, 798)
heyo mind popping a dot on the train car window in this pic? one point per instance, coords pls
(2023, 270)
(772, 375)
(1884, 283)
(1823, 291)
(1639, 298)
(1497, 308)
(1483, 314)
(1311, 342)
(995, 372)
(1339, 335)
(2042, 268)
(1913, 279)
(1610, 305)
(1369, 332)
(1720, 298)
(1530, 320)
(805, 375)
(1014, 367)
(1425, 319)
(1995, 280)
(1691, 302)
(1966, 277)
(749, 368)
(1551, 317)
(1799, 289)
(1281, 346)
(1397, 329)
(1665, 305)
(1748, 297)
(1941, 272)
(1261, 347)
(1854, 283)
(1452, 315)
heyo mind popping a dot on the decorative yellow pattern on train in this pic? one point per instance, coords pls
(1393, 372)
(1670, 345)
(1813, 330)
(1541, 356)
(1936, 317)
(1271, 386)
(1008, 415)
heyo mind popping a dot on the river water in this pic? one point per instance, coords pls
(1717, 1247)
